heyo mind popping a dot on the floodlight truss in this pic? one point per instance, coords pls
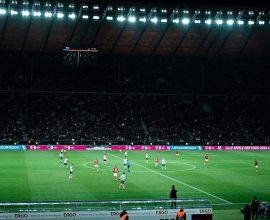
(134, 14)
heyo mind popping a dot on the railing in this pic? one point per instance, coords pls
(56, 206)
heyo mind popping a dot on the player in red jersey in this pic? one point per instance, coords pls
(256, 166)
(206, 159)
(177, 154)
(115, 172)
(96, 164)
(156, 161)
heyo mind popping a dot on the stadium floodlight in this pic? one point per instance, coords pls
(261, 22)
(71, 6)
(25, 13)
(85, 17)
(176, 20)
(208, 21)
(60, 15)
(250, 22)
(185, 11)
(185, 21)
(251, 12)
(219, 21)
(96, 17)
(197, 21)
(13, 12)
(230, 22)
(121, 18)
(72, 16)
(154, 20)
(163, 10)
(3, 11)
(36, 13)
(95, 7)
(142, 9)
(132, 19)
(85, 6)
(240, 22)
(109, 18)
(110, 8)
(48, 14)
(164, 20)
(120, 8)
(48, 4)
(143, 19)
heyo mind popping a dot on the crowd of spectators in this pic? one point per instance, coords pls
(136, 100)
(50, 117)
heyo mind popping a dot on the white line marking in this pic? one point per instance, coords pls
(175, 180)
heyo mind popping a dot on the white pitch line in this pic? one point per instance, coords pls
(175, 180)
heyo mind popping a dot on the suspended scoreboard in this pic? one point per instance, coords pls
(80, 57)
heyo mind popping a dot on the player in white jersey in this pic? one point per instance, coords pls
(71, 170)
(163, 164)
(61, 156)
(66, 162)
(122, 180)
(146, 157)
(125, 163)
(105, 159)
(125, 154)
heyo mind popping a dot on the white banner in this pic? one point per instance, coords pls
(166, 214)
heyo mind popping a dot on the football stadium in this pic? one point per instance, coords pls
(134, 110)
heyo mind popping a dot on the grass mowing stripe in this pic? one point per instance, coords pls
(175, 180)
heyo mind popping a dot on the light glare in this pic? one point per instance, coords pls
(3, 11)
(121, 18)
(219, 22)
(37, 13)
(25, 13)
(208, 21)
(72, 16)
(230, 22)
(163, 20)
(240, 22)
(60, 15)
(185, 21)
(176, 20)
(132, 19)
(142, 19)
(154, 20)
(48, 14)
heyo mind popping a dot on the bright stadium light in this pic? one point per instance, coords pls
(164, 20)
(143, 19)
(36, 13)
(13, 12)
(185, 21)
(261, 22)
(176, 21)
(219, 22)
(142, 9)
(60, 15)
(109, 18)
(48, 14)
(208, 21)
(230, 22)
(96, 17)
(154, 20)
(132, 19)
(25, 13)
(85, 17)
(250, 22)
(240, 22)
(121, 18)
(95, 7)
(3, 11)
(197, 21)
(72, 16)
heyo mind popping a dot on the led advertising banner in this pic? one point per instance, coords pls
(56, 147)
(13, 147)
(161, 214)
(140, 147)
(184, 147)
(239, 148)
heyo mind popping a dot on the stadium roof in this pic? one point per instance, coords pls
(186, 28)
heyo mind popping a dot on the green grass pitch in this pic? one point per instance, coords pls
(227, 180)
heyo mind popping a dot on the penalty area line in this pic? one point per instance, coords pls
(178, 181)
